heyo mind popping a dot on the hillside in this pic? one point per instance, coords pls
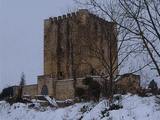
(134, 108)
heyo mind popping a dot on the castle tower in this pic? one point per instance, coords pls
(70, 44)
(67, 40)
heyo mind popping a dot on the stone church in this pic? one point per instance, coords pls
(69, 44)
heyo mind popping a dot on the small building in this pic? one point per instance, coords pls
(127, 83)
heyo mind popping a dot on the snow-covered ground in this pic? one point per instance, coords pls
(134, 108)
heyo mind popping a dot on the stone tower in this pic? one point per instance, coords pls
(71, 44)
(67, 40)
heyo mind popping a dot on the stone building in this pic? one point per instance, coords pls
(71, 45)
(69, 42)
(127, 83)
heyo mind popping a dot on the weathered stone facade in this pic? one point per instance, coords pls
(67, 42)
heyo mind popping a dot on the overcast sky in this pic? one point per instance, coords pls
(21, 37)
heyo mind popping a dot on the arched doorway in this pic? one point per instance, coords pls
(44, 90)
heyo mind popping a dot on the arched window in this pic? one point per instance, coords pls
(44, 90)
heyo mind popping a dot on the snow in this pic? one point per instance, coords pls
(51, 101)
(134, 108)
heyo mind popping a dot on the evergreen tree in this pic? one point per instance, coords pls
(21, 86)
(153, 86)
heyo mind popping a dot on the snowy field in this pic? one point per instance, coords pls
(134, 108)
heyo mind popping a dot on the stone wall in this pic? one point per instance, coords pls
(30, 90)
(15, 90)
(64, 89)
(48, 81)
(59, 89)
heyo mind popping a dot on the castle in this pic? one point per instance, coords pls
(69, 42)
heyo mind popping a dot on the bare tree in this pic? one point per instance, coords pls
(140, 18)
(21, 86)
(115, 49)
(147, 25)
(137, 30)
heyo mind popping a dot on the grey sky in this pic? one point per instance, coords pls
(21, 37)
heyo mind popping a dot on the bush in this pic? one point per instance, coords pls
(153, 86)
(80, 93)
(87, 80)
(6, 93)
(84, 109)
(115, 107)
(142, 93)
(105, 113)
(117, 97)
(94, 89)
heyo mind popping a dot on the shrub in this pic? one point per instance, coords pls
(84, 109)
(6, 93)
(94, 89)
(87, 80)
(153, 86)
(115, 107)
(80, 93)
(105, 113)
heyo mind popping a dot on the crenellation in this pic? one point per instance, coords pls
(64, 16)
(50, 19)
(76, 14)
(68, 15)
(55, 19)
(73, 14)
(46, 20)
(59, 18)
(83, 11)
(102, 20)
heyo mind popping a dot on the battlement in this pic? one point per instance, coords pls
(73, 15)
